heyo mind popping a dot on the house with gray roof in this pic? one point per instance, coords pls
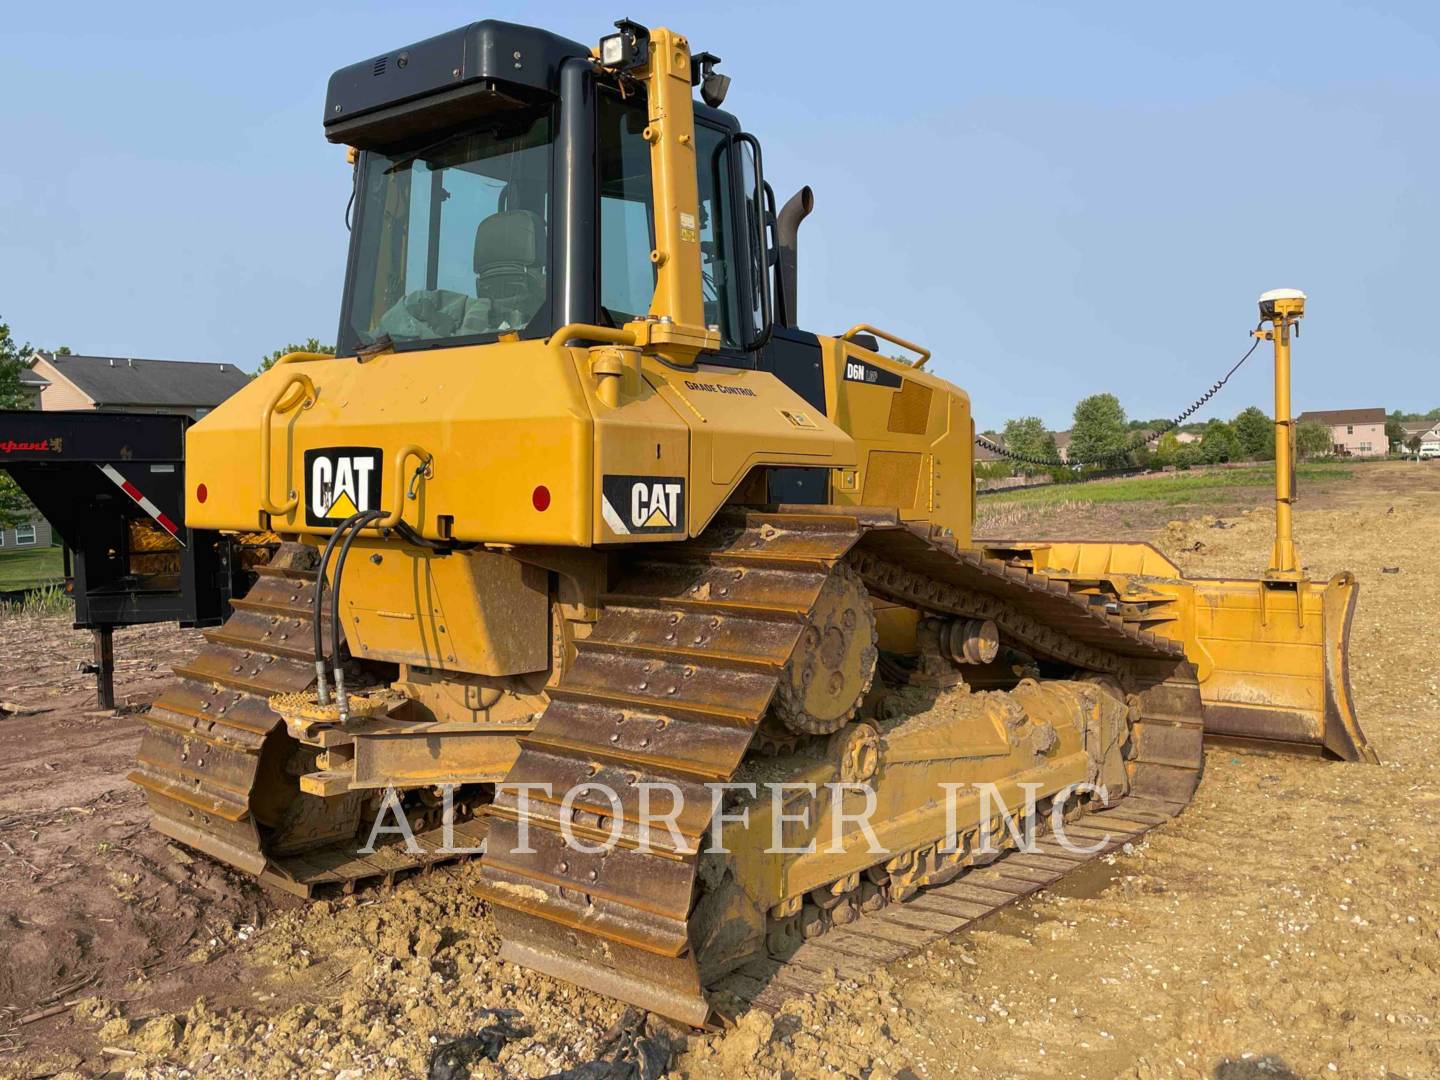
(1426, 433)
(130, 384)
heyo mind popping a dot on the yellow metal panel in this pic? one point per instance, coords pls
(472, 611)
(895, 627)
(892, 478)
(500, 420)
(889, 418)
(739, 419)
(1102, 559)
(910, 408)
(641, 435)
(433, 754)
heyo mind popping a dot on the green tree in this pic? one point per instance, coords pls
(1027, 435)
(15, 508)
(1219, 444)
(312, 345)
(1313, 439)
(1395, 433)
(1414, 444)
(1188, 456)
(1099, 430)
(12, 361)
(1167, 450)
(1255, 434)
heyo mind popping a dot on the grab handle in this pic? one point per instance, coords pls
(280, 403)
(866, 328)
(400, 489)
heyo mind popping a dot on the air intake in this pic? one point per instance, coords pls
(379, 68)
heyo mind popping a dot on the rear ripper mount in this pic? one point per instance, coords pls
(221, 772)
(675, 682)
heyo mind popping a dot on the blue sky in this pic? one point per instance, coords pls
(1058, 198)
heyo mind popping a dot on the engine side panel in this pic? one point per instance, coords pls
(912, 433)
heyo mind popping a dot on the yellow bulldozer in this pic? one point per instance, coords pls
(579, 532)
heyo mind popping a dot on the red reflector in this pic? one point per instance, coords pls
(540, 498)
(202, 493)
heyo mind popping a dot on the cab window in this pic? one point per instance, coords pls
(718, 264)
(627, 221)
(452, 237)
(627, 209)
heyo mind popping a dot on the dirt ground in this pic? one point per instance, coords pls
(1287, 925)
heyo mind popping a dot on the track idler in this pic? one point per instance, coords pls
(831, 668)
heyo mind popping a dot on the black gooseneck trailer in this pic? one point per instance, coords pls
(102, 480)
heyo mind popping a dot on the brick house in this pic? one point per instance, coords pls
(1353, 432)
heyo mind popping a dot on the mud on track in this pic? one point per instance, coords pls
(1287, 924)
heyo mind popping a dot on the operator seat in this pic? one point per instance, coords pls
(510, 257)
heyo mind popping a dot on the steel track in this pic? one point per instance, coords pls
(218, 767)
(671, 687)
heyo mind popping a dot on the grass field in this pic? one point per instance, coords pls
(1110, 509)
(31, 566)
(1213, 485)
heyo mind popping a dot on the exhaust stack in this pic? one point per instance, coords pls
(787, 228)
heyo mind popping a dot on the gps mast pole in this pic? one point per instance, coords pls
(1282, 309)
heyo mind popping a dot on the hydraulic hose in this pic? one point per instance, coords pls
(338, 669)
(317, 616)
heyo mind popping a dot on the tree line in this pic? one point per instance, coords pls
(1103, 437)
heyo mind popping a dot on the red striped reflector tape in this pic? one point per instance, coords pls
(144, 503)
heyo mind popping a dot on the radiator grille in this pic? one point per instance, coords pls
(891, 479)
(910, 408)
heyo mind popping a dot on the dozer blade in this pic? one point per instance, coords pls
(1272, 655)
(1274, 664)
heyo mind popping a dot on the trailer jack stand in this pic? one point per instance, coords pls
(103, 666)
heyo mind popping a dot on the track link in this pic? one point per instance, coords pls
(1167, 761)
(671, 687)
(899, 930)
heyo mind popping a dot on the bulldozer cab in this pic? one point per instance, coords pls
(504, 185)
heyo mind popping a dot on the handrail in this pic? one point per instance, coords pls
(307, 398)
(398, 494)
(612, 335)
(298, 358)
(866, 328)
